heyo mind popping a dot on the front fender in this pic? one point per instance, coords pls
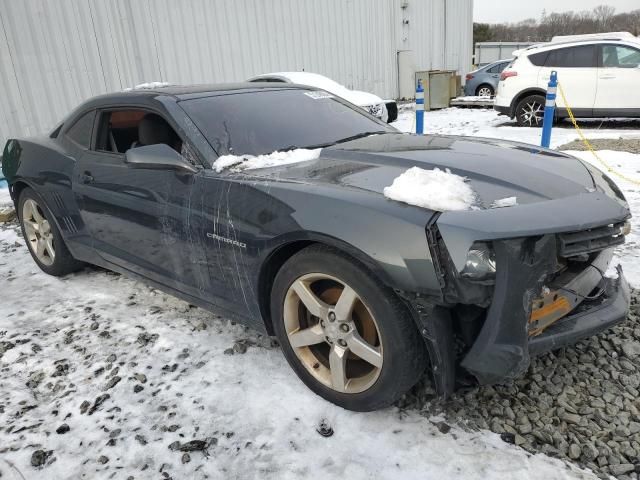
(394, 246)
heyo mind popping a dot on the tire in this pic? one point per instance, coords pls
(485, 90)
(396, 357)
(530, 111)
(40, 230)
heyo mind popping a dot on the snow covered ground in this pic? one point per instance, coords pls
(488, 123)
(130, 371)
(169, 375)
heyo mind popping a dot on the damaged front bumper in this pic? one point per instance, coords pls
(503, 347)
(590, 318)
(507, 338)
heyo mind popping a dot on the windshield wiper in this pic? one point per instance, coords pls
(352, 137)
(328, 144)
(290, 147)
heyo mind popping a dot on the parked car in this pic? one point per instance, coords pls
(362, 292)
(599, 73)
(385, 110)
(483, 82)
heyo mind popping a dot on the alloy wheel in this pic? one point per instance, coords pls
(333, 333)
(485, 92)
(38, 232)
(532, 113)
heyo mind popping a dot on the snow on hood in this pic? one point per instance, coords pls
(356, 97)
(433, 189)
(275, 159)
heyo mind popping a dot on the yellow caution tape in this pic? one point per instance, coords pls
(608, 167)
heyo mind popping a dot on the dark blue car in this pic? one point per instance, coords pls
(483, 82)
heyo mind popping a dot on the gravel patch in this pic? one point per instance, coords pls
(579, 403)
(631, 145)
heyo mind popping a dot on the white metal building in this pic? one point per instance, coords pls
(56, 53)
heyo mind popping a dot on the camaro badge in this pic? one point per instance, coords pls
(227, 240)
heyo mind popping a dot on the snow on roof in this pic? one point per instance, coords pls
(433, 189)
(148, 86)
(250, 162)
(569, 40)
(595, 36)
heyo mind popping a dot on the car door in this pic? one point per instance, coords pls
(141, 219)
(618, 79)
(577, 73)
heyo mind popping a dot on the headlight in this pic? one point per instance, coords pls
(481, 262)
(375, 110)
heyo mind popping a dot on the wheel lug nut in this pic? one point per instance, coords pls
(332, 316)
(322, 323)
(342, 343)
(344, 327)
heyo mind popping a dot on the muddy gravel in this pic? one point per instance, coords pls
(579, 404)
(631, 145)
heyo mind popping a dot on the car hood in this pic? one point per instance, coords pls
(554, 192)
(360, 98)
(496, 169)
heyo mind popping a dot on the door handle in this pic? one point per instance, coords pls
(607, 77)
(86, 177)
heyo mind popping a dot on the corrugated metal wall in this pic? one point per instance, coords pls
(55, 54)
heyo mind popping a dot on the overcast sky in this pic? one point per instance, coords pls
(492, 11)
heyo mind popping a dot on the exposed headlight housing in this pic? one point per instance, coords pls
(481, 262)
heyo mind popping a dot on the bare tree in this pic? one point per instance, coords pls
(601, 19)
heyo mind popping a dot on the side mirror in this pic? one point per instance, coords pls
(160, 156)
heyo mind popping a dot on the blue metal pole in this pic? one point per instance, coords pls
(549, 109)
(419, 108)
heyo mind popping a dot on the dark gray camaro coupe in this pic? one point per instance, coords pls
(362, 292)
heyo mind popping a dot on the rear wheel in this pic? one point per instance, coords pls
(43, 237)
(530, 111)
(485, 91)
(350, 340)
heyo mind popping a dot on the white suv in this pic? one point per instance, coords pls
(599, 73)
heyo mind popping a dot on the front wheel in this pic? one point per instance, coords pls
(530, 111)
(349, 339)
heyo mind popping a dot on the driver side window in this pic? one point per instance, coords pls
(120, 130)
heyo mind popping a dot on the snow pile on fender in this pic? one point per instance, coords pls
(275, 159)
(433, 189)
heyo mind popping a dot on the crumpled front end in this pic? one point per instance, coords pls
(548, 288)
(542, 301)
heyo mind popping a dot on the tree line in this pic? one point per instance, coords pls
(601, 19)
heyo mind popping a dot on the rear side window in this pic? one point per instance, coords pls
(572, 57)
(539, 59)
(619, 56)
(81, 131)
(498, 68)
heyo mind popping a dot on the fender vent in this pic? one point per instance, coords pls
(57, 201)
(69, 224)
(588, 241)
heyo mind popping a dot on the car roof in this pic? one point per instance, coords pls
(488, 65)
(183, 92)
(577, 40)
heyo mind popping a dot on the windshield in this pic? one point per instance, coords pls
(256, 123)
